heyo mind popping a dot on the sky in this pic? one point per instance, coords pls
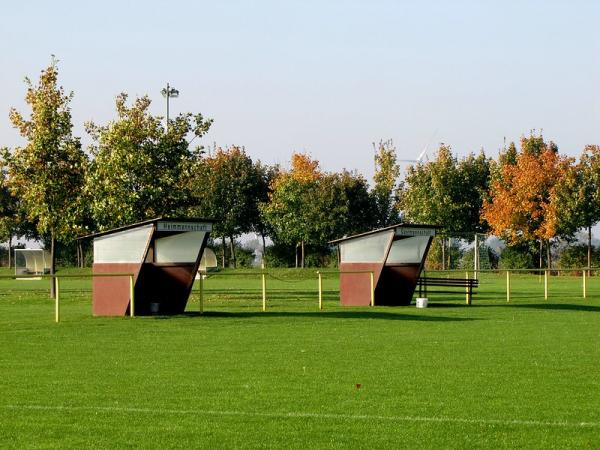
(324, 77)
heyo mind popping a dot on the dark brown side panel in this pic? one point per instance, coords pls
(165, 285)
(355, 288)
(111, 294)
(397, 285)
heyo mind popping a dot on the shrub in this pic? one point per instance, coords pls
(516, 258)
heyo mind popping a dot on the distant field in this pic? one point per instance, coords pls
(493, 375)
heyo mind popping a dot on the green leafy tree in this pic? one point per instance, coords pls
(228, 187)
(11, 216)
(578, 195)
(47, 174)
(362, 212)
(306, 206)
(13, 220)
(266, 175)
(446, 191)
(385, 181)
(140, 170)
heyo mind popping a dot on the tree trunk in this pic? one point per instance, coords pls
(541, 254)
(223, 254)
(264, 249)
(296, 252)
(302, 254)
(232, 249)
(548, 255)
(10, 250)
(443, 242)
(52, 265)
(589, 252)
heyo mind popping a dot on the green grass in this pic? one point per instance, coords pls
(493, 375)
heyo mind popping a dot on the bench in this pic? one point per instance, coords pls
(468, 284)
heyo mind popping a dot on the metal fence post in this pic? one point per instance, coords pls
(508, 286)
(468, 289)
(264, 292)
(56, 299)
(320, 291)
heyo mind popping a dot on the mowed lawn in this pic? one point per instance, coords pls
(493, 375)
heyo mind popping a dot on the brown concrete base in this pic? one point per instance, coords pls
(355, 288)
(111, 294)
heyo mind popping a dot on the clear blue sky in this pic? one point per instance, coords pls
(324, 77)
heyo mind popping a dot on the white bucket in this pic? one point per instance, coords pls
(422, 302)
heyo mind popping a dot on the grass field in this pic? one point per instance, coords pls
(492, 375)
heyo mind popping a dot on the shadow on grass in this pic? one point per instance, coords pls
(377, 315)
(558, 307)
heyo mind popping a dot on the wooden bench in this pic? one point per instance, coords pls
(468, 284)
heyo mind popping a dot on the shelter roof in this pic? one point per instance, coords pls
(147, 222)
(391, 227)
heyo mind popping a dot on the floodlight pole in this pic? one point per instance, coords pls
(169, 92)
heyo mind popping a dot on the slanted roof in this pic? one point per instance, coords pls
(391, 227)
(147, 222)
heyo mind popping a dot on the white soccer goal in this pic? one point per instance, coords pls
(32, 261)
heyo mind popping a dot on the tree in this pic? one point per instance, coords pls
(523, 202)
(306, 206)
(447, 192)
(578, 195)
(47, 174)
(140, 170)
(228, 187)
(266, 175)
(362, 213)
(385, 180)
(13, 223)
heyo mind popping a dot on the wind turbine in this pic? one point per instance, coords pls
(423, 152)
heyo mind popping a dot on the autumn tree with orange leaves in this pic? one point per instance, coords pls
(523, 196)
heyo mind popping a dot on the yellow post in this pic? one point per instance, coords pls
(320, 291)
(584, 285)
(57, 300)
(264, 292)
(545, 284)
(467, 288)
(372, 289)
(508, 286)
(201, 294)
(131, 296)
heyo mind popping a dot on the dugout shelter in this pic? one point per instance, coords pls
(395, 255)
(32, 261)
(163, 254)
